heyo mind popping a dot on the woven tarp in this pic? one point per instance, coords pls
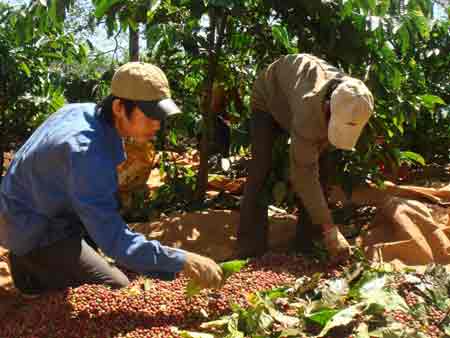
(411, 226)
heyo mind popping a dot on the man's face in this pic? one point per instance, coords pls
(137, 125)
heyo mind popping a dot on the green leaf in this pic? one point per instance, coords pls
(383, 7)
(373, 285)
(394, 330)
(233, 328)
(281, 35)
(82, 52)
(103, 6)
(151, 12)
(53, 11)
(321, 317)
(404, 38)
(275, 293)
(228, 268)
(133, 24)
(111, 25)
(365, 278)
(147, 284)
(221, 3)
(412, 156)
(420, 311)
(305, 284)
(347, 9)
(396, 78)
(191, 334)
(291, 332)
(285, 320)
(216, 324)
(334, 292)
(342, 318)
(231, 267)
(192, 289)
(372, 5)
(215, 177)
(430, 101)
(421, 23)
(388, 300)
(25, 69)
(447, 327)
(265, 321)
(279, 192)
(173, 137)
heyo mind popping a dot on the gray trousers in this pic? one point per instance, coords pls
(253, 228)
(67, 263)
(253, 225)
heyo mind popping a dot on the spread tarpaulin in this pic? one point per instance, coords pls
(409, 231)
(411, 226)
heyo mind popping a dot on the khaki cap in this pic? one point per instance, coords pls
(351, 107)
(147, 85)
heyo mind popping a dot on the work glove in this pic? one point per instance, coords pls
(338, 248)
(203, 270)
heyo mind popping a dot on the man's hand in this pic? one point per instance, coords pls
(203, 270)
(338, 248)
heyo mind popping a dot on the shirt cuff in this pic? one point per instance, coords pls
(178, 256)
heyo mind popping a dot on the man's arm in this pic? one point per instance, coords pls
(92, 185)
(304, 155)
(306, 181)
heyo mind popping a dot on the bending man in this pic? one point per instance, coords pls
(317, 105)
(61, 189)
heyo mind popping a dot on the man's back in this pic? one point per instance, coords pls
(292, 89)
(34, 195)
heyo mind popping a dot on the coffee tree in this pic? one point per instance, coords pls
(32, 48)
(390, 45)
(213, 50)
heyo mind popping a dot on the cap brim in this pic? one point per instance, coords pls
(168, 107)
(159, 110)
(343, 136)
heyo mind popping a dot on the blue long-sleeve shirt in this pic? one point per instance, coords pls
(66, 174)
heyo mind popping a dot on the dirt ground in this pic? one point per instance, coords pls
(211, 233)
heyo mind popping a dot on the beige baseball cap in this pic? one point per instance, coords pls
(147, 85)
(351, 106)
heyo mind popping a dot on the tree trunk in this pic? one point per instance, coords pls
(208, 115)
(3, 125)
(134, 44)
(2, 163)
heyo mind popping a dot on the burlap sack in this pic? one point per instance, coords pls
(408, 231)
(411, 226)
(134, 172)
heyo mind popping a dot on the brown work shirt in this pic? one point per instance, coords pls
(293, 89)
